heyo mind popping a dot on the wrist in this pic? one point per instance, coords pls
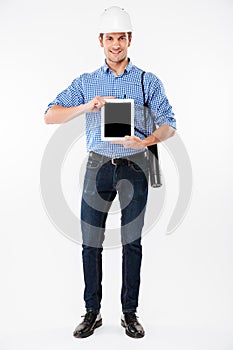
(144, 143)
(83, 108)
(150, 140)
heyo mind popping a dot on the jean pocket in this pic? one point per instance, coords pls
(93, 163)
(141, 167)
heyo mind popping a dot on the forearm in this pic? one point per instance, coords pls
(60, 114)
(159, 135)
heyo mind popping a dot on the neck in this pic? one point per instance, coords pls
(118, 67)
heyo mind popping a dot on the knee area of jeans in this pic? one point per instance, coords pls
(91, 249)
(133, 246)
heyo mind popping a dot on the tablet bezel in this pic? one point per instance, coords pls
(117, 100)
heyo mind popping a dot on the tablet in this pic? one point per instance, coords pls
(117, 119)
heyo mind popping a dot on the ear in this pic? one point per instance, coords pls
(101, 41)
(129, 43)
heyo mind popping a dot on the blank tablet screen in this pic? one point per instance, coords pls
(117, 119)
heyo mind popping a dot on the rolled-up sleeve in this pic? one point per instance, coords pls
(159, 104)
(71, 96)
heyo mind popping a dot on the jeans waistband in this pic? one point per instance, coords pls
(137, 157)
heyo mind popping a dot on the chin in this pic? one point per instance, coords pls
(117, 60)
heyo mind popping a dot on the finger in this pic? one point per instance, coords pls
(99, 102)
(99, 99)
(106, 97)
(103, 101)
(117, 142)
(132, 138)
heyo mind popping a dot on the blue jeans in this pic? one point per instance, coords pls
(102, 182)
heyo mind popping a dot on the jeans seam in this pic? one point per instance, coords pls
(97, 277)
(97, 272)
(125, 275)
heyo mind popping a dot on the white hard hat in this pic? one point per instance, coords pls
(114, 20)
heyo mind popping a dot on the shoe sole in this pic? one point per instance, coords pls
(130, 334)
(85, 335)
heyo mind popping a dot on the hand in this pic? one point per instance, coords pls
(130, 142)
(96, 103)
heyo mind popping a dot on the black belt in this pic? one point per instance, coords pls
(134, 158)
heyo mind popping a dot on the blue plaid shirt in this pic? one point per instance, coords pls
(103, 82)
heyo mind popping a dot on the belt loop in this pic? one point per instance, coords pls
(113, 161)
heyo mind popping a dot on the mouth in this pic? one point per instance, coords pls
(115, 53)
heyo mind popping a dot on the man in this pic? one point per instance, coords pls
(109, 163)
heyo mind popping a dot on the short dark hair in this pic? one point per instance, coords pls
(129, 35)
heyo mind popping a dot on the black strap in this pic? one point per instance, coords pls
(144, 99)
(143, 90)
(144, 109)
(155, 178)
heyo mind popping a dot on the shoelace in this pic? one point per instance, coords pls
(87, 317)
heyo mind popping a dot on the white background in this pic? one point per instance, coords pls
(186, 291)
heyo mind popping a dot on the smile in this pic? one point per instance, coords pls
(115, 53)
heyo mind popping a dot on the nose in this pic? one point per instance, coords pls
(116, 44)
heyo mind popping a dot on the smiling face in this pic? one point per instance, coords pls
(115, 46)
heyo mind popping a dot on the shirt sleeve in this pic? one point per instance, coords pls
(72, 96)
(158, 102)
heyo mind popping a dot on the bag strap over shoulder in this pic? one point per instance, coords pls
(143, 90)
(154, 168)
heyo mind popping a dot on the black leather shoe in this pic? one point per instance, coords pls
(132, 327)
(87, 327)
